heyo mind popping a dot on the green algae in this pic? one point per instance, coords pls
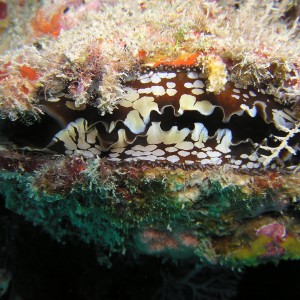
(114, 215)
(89, 214)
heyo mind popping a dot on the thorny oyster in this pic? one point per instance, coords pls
(167, 115)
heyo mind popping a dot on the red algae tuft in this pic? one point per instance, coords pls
(4, 72)
(188, 240)
(184, 60)
(157, 240)
(47, 25)
(3, 10)
(29, 73)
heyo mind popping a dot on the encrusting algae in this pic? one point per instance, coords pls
(159, 127)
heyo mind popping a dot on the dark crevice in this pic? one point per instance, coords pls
(36, 135)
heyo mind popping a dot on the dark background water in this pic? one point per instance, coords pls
(43, 269)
